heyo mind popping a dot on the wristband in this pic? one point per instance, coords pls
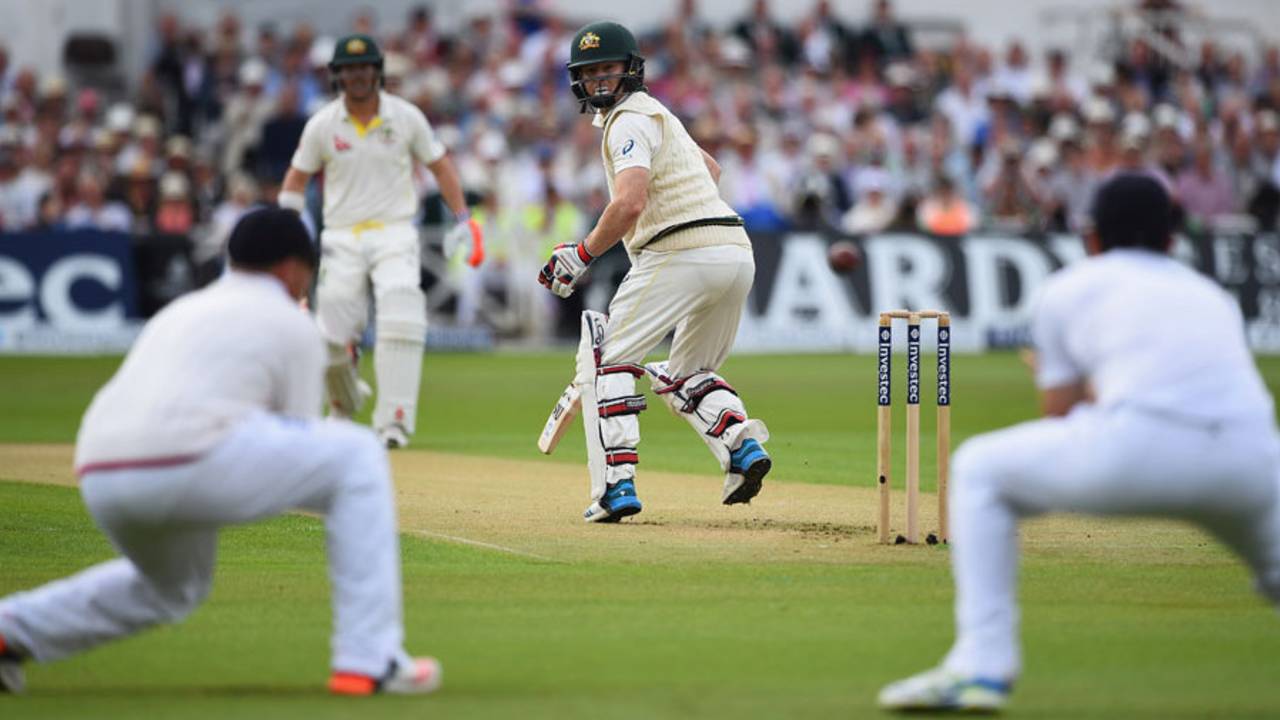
(585, 255)
(291, 200)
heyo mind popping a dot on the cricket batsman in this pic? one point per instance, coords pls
(1153, 407)
(691, 270)
(367, 142)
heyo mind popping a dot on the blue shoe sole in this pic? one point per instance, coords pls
(624, 507)
(753, 480)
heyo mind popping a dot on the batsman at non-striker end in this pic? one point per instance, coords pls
(691, 270)
(367, 142)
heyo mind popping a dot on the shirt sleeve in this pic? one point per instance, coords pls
(1055, 366)
(302, 391)
(309, 157)
(423, 143)
(633, 141)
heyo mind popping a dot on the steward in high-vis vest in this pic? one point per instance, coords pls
(691, 271)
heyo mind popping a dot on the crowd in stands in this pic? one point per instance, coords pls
(832, 122)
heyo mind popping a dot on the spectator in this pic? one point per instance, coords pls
(885, 39)
(1010, 201)
(50, 214)
(875, 209)
(964, 106)
(175, 214)
(93, 211)
(1204, 190)
(767, 39)
(944, 211)
(207, 251)
(246, 113)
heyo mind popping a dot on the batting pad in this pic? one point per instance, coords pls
(610, 407)
(712, 408)
(397, 359)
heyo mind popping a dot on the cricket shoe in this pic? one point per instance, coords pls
(747, 467)
(407, 676)
(619, 501)
(12, 679)
(941, 690)
(393, 436)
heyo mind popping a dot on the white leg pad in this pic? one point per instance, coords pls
(711, 407)
(610, 409)
(397, 360)
(347, 392)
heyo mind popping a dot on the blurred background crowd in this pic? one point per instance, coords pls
(846, 124)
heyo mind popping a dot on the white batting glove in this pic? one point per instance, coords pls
(565, 268)
(465, 237)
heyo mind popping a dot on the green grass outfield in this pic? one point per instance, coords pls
(1124, 631)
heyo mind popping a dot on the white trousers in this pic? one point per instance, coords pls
(164, 522)
(384, 257)
(700, 293)
(1121, 461)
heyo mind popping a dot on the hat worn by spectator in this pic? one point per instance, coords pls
(120, 118)
(267, 236)
(174, 186)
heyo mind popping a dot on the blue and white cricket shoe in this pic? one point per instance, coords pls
(747, 467)
(941, 690)
(619, 501)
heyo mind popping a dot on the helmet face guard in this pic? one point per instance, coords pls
(630, 80)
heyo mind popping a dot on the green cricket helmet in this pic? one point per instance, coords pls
(355, 50)
(601, 42)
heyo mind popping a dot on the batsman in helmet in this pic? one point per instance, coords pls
(367, 142)
(691, 270)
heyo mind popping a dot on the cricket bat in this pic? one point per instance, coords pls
(561, 417)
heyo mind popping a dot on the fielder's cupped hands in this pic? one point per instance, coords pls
(465, 236)
(567, 264)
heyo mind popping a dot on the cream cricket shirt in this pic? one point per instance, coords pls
(641, 132)
(1147, 332)
(209, 359)
(368, 170)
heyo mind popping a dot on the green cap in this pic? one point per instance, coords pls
(356, 50)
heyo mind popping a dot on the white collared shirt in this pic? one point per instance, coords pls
(209, 359)
(1149, 332)
(368, 171)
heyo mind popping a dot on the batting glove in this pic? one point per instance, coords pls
(565, 268)
(465, 237)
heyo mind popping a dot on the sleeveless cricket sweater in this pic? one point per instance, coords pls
(680, 187)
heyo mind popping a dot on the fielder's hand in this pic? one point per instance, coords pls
(565, 268)
(465, 237)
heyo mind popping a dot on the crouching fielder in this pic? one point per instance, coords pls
(211, 421)
(1154, 407)
(367, 142)
(691, 270)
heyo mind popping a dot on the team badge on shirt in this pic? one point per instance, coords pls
(340, 145)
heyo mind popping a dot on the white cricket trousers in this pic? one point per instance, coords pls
(699, 292)
(164, 521)
(1120, 461)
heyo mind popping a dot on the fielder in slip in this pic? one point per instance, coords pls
(691, 270)
(167, 455)
(1153, 407)
(367, 142)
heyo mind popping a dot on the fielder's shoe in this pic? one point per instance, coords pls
(618, 502)
(747, 467)
(412, 676)
(393, 436)
(941, 690)
(12, 679)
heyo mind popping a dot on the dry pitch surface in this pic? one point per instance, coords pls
(531, 509)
